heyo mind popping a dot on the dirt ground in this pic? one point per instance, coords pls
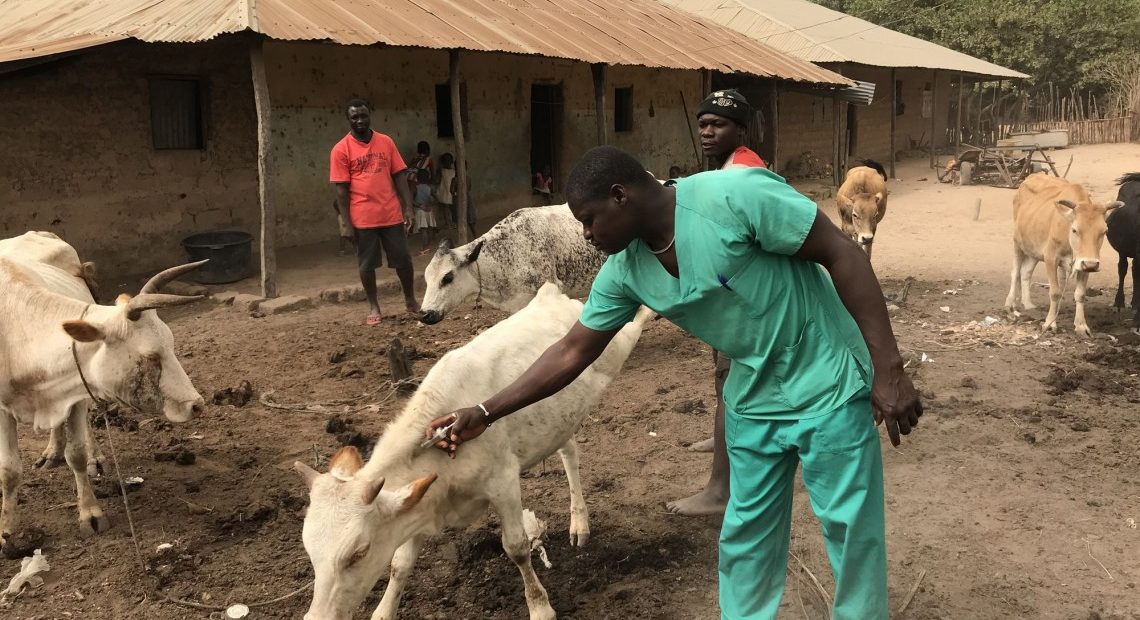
(1017, 496)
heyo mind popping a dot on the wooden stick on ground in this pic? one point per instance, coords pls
(818, 586)
(913, 590)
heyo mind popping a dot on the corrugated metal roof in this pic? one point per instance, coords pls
(812, 32)
(630, 32)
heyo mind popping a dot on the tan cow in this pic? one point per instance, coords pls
(1056, 221)
(862, 203)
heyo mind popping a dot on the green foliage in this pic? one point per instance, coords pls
(1071, 43)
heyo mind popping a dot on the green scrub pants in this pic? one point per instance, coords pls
(843, 473)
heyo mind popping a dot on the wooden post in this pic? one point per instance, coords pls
(958, 129)
(979, 139)
(399, 364)
(837, 157)
(460, 148)
(933, 114)
(264, 167)
(706, 89)
(994, 113)
(894, 112)
(599, 71)
(774, 165)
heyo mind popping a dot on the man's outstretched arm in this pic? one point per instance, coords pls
(555, 369)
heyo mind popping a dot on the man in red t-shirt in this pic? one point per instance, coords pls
(372, 196)
(723, 121)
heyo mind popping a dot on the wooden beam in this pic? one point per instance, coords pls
(599, 71)
(894, 112)
(706, 89)
(460, 148)
(958, 129)
(264, 168)
(933, 114)
(837, 141)
(994, 113)
(774, 165)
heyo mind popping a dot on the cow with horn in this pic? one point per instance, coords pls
(60, 352)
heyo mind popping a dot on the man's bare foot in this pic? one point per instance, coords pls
(703, 446)
(707, 502)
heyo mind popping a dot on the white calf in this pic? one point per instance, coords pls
(363, 518)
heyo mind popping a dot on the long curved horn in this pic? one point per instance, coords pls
(151, 301)
(154, 284)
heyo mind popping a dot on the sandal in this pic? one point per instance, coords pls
(372, 320)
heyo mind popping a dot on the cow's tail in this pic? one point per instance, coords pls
(877, 167)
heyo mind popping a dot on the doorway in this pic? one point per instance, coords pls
(546, 106)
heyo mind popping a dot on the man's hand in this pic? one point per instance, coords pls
(469, 424)
(355, 236)
(895, 402)
(407, 225)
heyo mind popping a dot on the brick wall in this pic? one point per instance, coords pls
(79, 161)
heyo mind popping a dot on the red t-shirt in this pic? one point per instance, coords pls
(744, 157)
(368, 167)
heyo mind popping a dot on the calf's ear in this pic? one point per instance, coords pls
(82, 331)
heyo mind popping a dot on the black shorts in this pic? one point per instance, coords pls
(392, 239)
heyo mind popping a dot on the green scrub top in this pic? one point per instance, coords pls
(796, 351)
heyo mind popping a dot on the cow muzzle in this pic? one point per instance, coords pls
(1089, 266)
(184, 411)
(431, 317)
(866, 239)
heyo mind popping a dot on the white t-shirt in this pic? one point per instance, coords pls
(443, 193)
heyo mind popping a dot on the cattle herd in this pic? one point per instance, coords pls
(62, 351)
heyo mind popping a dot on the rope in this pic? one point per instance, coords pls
(100, 405)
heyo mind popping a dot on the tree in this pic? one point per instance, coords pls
(1069, 43)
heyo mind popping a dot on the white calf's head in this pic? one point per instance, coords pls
(864, 211)
(352, 529)
(451, 278)
(133, 361)
(1087, 228)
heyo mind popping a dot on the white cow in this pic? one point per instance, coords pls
(53, 340)
(360, 516)
(506, 265)
(58, 262)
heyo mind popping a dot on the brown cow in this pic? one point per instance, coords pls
(1056, 221)
(862, 202)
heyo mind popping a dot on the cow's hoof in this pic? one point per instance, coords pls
(579, 538)
(1049, 327)
(543, 611)
(94, 523)
(49, 461)
(1083, 331)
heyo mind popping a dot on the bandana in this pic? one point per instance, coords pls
(727, 103)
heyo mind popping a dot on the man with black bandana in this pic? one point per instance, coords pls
(723, 121)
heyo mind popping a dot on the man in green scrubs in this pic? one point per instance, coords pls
(742, 261)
